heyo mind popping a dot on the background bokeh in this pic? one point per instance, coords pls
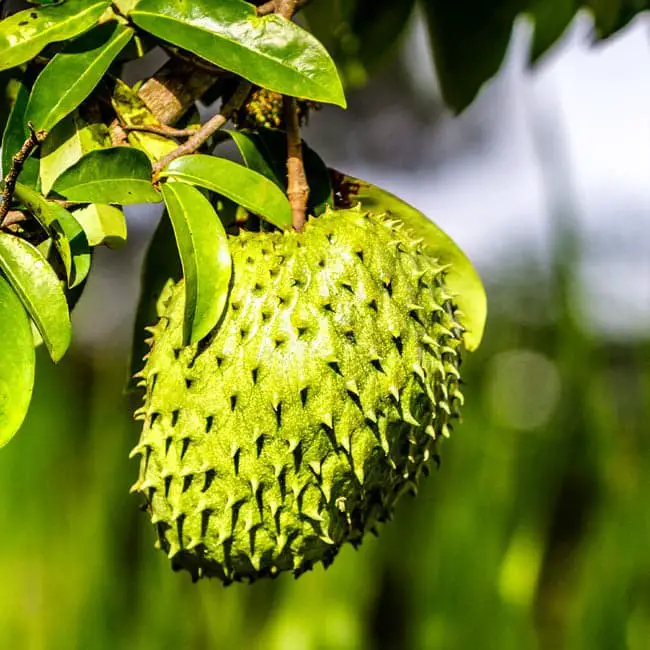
(535, 531)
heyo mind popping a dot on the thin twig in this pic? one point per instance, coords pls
(200, 137)
(297, 186)
(65, 204)
(163, 130)
(118, 134)
(272, 6)
(17, 162)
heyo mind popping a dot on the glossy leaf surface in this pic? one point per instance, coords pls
(119, 175)
(236, 182)
(205, 256)
(68, 236)
(72, 138)
(269, 51)
(74, 73)
(24, 34)
(103, 224)
(40, 291)
(18, 362)
(461, 278)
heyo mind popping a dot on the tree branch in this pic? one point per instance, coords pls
(202, 134)
(174, 89)
(273, 6)
(163, 130)
(297, 186)
(35, 138)
(14, 217)
(118, 134)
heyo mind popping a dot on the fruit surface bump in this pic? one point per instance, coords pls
(315, 404)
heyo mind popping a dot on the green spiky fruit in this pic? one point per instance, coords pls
(314, 405)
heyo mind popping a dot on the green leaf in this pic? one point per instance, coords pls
(462, 69)
(103, 224)
(72, 75)
(205, 257)
(26, 33)
(469, 39)
(125, 5)
(462, 277)
(68, 236)
(243, 186)
(119, 175)
(359, 34)
(161, 265)
(132, 111)
(73, 294)
(269, 51)
(18, 363)
(15, 134)
(265, 151)
(76, 135)
(40, 291)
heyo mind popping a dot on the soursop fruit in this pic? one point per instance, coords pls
(296, 425)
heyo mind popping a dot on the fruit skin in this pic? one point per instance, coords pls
(314, 405)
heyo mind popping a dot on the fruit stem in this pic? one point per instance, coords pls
(297, 187)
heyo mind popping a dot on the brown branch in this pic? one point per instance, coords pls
(118, 134)
(200, 137)
(35, 138)
(14, 217)
(297, 186)
(65, 204)
(274, 6)
(163, 130)
(174, 89)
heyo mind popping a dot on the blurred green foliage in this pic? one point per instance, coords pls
(534, 533)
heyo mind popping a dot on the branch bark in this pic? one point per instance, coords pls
(273, 6)
(14, 217)
(35, 138)
(166, 131)
(174, 89)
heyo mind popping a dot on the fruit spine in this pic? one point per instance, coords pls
(313, 406)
